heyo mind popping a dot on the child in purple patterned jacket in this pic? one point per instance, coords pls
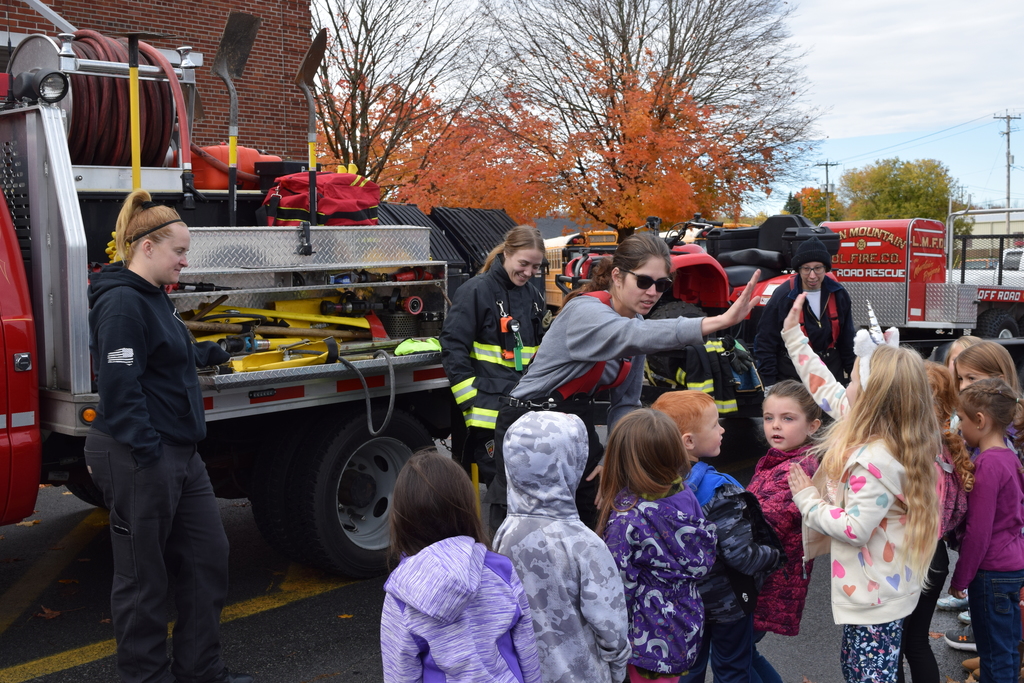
(657, 534)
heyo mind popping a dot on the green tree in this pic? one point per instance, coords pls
(813, 202)
(892, 188)
(792, 205)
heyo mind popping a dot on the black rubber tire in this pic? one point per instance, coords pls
(664, 365)
(350, 538)
(87, 492)
(996, 323)
(269, 488)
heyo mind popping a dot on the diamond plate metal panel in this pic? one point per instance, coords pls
(967, 305)
(335, 371)
(237, 250)
(950, 303)
(889, 299)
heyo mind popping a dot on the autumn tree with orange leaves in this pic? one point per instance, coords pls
(606, 112)
(394, 72)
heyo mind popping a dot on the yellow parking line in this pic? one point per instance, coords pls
(28, 588)
(299, 583)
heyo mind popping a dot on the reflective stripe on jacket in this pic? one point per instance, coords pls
(472, 341)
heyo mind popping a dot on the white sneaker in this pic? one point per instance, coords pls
(964, 617)
(951, 604)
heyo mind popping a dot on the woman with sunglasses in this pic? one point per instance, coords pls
(598, 341)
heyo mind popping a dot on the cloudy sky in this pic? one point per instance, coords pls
(916, 79)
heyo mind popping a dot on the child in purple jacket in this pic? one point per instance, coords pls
(658, 536)
(992, 552)
(454, 611)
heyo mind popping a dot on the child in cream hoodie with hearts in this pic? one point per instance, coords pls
(872, 504)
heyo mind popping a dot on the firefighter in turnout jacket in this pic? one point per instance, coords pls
(489, 338)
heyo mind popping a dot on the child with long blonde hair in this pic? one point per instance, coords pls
(882, 524)
(656, 532)
(955, 479)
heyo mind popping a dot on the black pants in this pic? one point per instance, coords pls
(165, 529)
(916, 647)
(586, 492)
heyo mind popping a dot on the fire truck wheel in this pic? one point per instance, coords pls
(661, 364)
(86, 491)
(268, 490)
(343, 484)
(996, 323)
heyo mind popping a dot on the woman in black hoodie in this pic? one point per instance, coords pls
(165, 526)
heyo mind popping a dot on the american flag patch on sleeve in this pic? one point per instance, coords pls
(124, 356)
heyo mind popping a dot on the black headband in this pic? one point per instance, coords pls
(138, 236)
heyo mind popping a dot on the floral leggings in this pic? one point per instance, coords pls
(871, 653)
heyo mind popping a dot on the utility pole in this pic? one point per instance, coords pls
(828, 187)
(1009, 161)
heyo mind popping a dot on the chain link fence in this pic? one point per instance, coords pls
(988, 259)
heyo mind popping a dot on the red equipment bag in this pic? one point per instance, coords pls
(341, 199)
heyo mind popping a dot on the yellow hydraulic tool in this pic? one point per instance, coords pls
(297, 317)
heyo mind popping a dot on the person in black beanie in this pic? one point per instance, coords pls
(826, 319)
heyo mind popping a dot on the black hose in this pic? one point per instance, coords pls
(366, 392)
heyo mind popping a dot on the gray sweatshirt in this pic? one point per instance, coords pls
(587, 331)
(573, 584)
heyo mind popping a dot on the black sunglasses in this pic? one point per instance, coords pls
(661, 285)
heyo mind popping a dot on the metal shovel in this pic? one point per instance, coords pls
(232, 54)
(304, 79)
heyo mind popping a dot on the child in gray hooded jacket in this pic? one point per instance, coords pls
(573, 585)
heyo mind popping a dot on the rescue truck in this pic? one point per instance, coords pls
(311, 424)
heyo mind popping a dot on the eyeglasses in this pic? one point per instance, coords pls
(661, 285)
(807, 270)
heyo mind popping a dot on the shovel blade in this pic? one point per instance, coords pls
(236, 44)
(312, 59)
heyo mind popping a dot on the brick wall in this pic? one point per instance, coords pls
(272, 113)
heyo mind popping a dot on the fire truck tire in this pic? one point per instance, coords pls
(86, 491)
(996, 323)
(342, 482)
(670, 309)
(269, 492)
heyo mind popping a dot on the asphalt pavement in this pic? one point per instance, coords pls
(284, 623)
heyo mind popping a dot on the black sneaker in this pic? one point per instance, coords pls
(961, 639)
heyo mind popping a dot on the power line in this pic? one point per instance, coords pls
(904, 144)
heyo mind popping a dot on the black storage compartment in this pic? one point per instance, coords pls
(794, 237)
(270, 171)
(721, 240)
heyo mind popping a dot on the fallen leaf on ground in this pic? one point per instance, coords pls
(1, 538)
(67, 581)
(67, 493)
(48, 613)
(344, 616)
(807, 680)
(104, 621)
(28, 522)
(936, 635)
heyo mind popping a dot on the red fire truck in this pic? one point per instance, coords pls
(315, 444)
(903, 267)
